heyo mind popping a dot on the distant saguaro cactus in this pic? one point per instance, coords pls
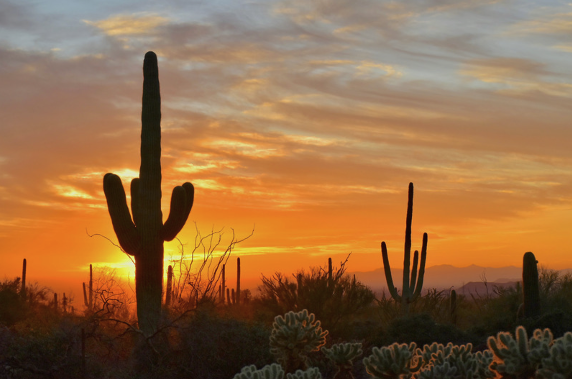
(23, 289)
(411, 287)
(530, 287)
(143, 236)
(169, 293)
(453, 306)
(89, 303)
(238, 280)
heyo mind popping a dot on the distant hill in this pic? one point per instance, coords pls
(484, 289)
(446, 276)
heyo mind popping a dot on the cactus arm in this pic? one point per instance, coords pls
(407, 255)
(181, 204)
(120, 218)
(175, 221)
(414, 270)
(387, 269)
(421, 275)
(135, 201)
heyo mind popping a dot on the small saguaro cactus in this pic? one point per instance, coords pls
(23, 288)
(411, 286)
(453, 307)
(530, 287)
(238, 280)
(143, 235)
(169, 294)
(223, 285)
(88, 303)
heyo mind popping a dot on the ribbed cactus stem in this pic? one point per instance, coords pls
(530, 286)
(90, 305)
(412, 276)
(238, 280)
(223, 291)
(143, 234)
(453, 307)
(330, 270)
(85, 296)
(23, 288)
(169, 286)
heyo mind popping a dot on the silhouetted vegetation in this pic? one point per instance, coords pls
(214, 340)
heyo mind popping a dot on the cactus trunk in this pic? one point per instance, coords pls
(90, 305)
(412, 278)
(530, 287)
(169, 286)
(453, 307)
(143, 234)
(23, 289)
(237, 280)
(223, 283)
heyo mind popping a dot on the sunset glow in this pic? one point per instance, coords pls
(302, 120)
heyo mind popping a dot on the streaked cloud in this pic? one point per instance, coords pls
(129, 24)
(307, 119)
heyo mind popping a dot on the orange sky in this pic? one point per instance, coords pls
(304, 121)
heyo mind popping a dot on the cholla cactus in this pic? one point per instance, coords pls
(520, 357)
(311, 373)
(393, 362)
(559, 364)
(343, 355)
(435, 371)
(454, 361)
(294, 335)
(273, 371)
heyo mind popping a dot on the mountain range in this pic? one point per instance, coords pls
(449, 277)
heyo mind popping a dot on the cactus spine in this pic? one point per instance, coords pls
(530, 287)
(143, 235)
(411, 287)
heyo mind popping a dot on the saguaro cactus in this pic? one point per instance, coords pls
(169, 294)
(143, 236)
(23, 288)
(238, 280)
(411, 287)
(530, 287)
(453, 307)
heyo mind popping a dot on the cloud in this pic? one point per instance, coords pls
(129, 24)
(517, 75)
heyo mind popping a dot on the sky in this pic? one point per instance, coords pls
(304, 121)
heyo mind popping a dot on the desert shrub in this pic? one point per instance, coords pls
(41, 352)
(422, 329)
(335, 299)
(209, 346)
(12, 306)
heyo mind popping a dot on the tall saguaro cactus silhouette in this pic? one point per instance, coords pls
(411, 287)
(143, 235)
